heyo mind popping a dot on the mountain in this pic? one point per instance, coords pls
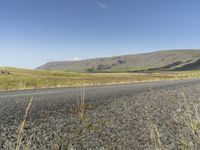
(154, 61)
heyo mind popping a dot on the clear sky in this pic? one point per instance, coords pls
(33, 32)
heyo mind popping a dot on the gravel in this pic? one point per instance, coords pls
(115, 122)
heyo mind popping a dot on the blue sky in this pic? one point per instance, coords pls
(33, 32)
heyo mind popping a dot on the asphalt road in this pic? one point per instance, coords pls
(108, 90)
(13, 104)
(121, 106)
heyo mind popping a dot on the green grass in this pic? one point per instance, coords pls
(33, 79)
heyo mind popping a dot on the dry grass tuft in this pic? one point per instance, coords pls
(154, 137)
(189, 120)
(82, 101)
(80, 106)
(22, 126)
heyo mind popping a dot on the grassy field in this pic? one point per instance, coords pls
(19, 79)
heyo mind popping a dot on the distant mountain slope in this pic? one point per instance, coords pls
(160, 60)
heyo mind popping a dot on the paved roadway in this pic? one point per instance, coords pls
(13, 104)
(96, 90)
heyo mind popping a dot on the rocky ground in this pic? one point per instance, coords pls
(166, 118)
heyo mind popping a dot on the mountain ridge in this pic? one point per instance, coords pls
(180, 59)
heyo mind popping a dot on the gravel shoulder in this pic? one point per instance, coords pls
(115, 117)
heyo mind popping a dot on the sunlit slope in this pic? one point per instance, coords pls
(161, 60)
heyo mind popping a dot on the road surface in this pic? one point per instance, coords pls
(118, 114)
(107, 90)
(13, 104)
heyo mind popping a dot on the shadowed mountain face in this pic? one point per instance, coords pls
(159, 61)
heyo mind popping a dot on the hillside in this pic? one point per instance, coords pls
(160, 60)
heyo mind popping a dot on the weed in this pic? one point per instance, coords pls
(22, 128)
(154, 137)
